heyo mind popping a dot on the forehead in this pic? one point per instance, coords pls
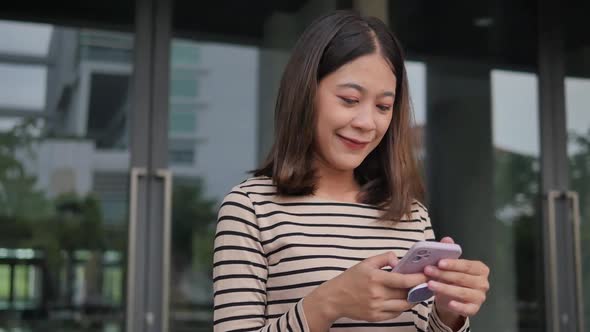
(370, 71)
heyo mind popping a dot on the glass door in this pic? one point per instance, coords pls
(577, 108)
(64, 162)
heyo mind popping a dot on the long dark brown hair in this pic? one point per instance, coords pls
(389, 176)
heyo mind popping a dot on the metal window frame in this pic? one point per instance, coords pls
(151, 189)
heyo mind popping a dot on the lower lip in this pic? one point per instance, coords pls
(352, 145)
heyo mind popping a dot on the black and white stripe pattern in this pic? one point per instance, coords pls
(271, 251)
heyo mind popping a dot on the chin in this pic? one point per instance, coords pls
(348, 164)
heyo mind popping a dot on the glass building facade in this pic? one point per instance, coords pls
(124, 123)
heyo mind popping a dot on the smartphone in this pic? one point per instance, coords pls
(419, 256)
(425, 253)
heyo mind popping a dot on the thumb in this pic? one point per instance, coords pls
(385, 259)
(447, 239)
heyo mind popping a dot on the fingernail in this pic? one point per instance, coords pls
(433, 284)
(430, 269)
(443, 263)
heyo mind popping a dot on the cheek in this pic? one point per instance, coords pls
(382, 128)
(383, 125)
(323, 131)
(337, 116)
(331, 118)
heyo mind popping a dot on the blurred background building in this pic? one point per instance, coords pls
(124, 123)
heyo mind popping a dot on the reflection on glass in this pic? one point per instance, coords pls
(577, 101)
(483, 166)
(213, 138)
(63, 166)
(516, 186)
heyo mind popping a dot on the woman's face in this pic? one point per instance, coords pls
(354, 107)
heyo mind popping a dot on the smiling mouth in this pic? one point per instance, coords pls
(353, 143)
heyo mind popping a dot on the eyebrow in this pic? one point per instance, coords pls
(363, 90)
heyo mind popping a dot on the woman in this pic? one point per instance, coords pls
(307, 243)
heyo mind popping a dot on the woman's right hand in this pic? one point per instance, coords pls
(363, 292)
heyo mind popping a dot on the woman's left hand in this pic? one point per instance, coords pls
(460, 288)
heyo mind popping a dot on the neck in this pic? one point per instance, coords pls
(335, 184)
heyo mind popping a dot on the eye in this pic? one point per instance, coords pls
(384, 107)
(349, 101)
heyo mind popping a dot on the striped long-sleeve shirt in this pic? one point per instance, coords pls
(271, 251)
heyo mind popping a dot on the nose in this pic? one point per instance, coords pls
(364, 119)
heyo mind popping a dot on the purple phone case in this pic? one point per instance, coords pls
(420, 293)
(425, 253)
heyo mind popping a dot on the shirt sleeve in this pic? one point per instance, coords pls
(240, 272)
(432, 323)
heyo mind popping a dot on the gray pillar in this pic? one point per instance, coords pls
(460, 179)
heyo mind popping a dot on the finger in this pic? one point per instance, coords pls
(383, 316)
(475, 268)
(397, 305)
(382, 260)
(462, 294)
(457, 278)
(447, 239)
(404, 281)
(393, 260)
(464, 309)
(387, 293)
